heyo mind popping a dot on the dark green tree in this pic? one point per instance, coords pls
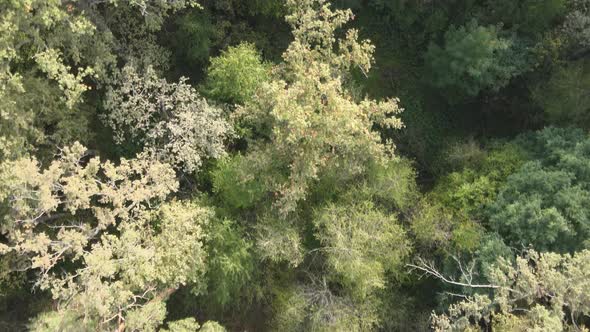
(473, 59)
(545, 203)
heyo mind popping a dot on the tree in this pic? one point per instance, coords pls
(29, 33)
(35, 119)
(526, 16)
(230, 265)
(563, 96)
(576, 30)
(360, 245)
(315, 307)
(155, 11)
(236, 74)
(451, 217)
(170, 120)
(101, 239)
(478, 178)
(52, 53)
(539, 291)
(313, 122)
(474, 58)
(55, 34)
(193, 38)
(313, 150)
(544, 203)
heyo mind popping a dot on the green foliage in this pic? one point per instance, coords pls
(235, 184)
(193, 38)
(563, 96)
(290, 310)
(315, 123)
(575, 28)
(437, 227)
(431, 225)
(11, 281)
(316, 308)
(136, 318)
(479, 177)
(474, 58)
(52, 54)
(173, 123)
(183, 325)
(230, 265)
(544, 203)
(34, 117)
(491, 248)
(533, 206)
(424, 134)
(39, 30)
(468, 154)
(467, 236)
(137, 38)
(42, 37)
(360, 244)
(51, 62)
(57, 36)
(59, 321)
(539, 292)
(211, 326)
(129, 251)
(191, 325)
(527, 16)
(236, 74)
(273, 8)
(279, 241)
(256, 8)
(415, 23)
(392, 186)
(311, 221)
(154, 12)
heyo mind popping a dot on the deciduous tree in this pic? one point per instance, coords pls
(539, 291)
(170, 120)
(101, 239)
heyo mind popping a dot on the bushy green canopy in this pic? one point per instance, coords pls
(545, 203)
(474, 58)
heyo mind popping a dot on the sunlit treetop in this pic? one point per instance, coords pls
(314, 121)
(129, 249)
(169, 120)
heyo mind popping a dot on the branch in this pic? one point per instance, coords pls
(428, 269)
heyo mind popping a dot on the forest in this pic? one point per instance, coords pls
(294, 165)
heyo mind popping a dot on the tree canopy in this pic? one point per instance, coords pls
(294, 165)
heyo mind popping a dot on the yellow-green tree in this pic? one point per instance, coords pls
(313, 123)
(101, 238)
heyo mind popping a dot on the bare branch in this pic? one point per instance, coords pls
(428, 268)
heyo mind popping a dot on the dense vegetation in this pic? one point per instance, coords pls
(294, 165)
